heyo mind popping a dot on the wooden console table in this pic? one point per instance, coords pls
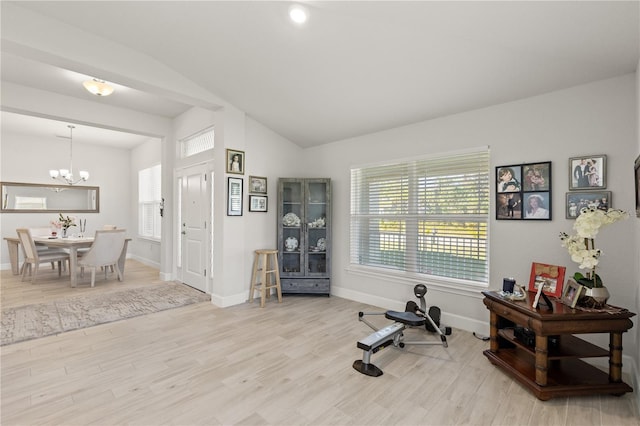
(556, 370)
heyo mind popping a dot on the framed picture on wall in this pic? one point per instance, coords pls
(637, 179)
(234, 196)
(578, 200)
(257, 185)
(235, 161)
(523, 191)
(257, 203)
(588, 172)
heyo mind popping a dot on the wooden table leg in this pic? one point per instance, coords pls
(615, 357)
(542, 359)
(123, 257)
(73, 265)
(493, 331)
(13, 256)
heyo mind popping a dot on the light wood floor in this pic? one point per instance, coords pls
(285, 364)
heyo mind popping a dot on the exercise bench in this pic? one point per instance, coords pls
(393, 334)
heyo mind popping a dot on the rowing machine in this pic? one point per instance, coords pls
(393, 334)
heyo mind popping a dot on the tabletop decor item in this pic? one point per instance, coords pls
(581, 247)
(64, 223)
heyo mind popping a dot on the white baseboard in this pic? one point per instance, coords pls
(226, 301)
(143, 260)
(450, 320)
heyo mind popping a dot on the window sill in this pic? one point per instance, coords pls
(446, 285)
(150, 239)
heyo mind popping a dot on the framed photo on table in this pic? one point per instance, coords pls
(588, 172)
(551, 277)
(572, 293)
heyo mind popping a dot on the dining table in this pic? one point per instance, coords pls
(70, 243)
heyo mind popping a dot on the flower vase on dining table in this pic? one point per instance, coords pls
(64, 232)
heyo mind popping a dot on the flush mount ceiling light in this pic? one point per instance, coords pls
(66, 175)
(98, 87)
(298, 14)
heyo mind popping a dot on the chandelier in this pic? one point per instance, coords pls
(66, 175)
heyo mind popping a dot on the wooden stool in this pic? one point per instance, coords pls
(265, 264)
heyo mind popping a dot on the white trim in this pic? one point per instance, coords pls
(150, 239)
(226, 301)
(455, 321)
(446, 285)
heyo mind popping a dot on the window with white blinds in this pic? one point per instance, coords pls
(425, 217)
(149, 198)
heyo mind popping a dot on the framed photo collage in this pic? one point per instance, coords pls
(523, 191)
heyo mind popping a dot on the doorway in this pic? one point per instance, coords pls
(195, 224)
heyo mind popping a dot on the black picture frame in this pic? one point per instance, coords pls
(577, 200)
(234, 196)
(637, 184)
(523, 191)
(258, 203)
(588, 172)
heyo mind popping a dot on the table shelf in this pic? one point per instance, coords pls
(556, 370)
(569, 346)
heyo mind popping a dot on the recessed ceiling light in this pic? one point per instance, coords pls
(298, 14)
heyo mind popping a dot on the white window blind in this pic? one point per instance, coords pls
(197, 143)
(149, 198)
(426, 217)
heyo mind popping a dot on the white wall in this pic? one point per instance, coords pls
(28, 159)
(597, 118)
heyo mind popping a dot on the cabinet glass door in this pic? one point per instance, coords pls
(316, 217)
(292, 223)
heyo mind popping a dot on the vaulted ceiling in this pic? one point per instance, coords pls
(355, 67)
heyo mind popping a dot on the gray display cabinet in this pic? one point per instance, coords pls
(304, 235)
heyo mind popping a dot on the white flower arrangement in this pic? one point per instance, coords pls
(64, 222)
(581, 245)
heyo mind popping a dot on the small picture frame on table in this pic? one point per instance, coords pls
(257, 203)
(578, 200)
(588, 172)
(551, 277)
(257, 185)
(572, 293)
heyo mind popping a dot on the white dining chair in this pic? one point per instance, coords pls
(104, 251)
(33, 258)
(46, 232)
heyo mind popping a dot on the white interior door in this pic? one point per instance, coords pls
(194, 205)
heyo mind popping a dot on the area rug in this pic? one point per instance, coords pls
(44, 319)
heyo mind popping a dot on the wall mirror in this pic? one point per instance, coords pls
(39, 198)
